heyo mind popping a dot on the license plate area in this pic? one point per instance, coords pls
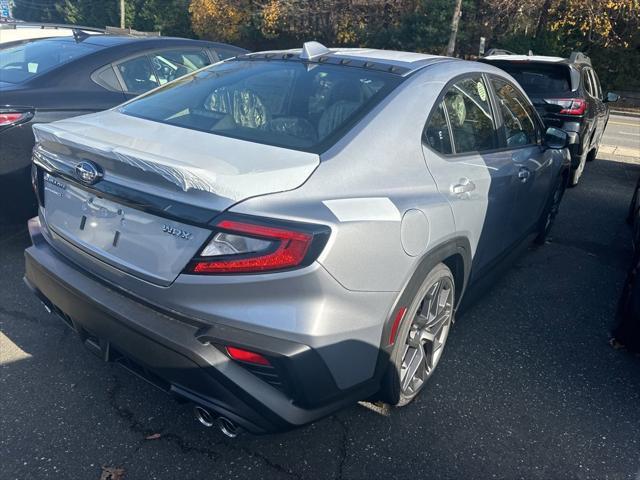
(129, 239)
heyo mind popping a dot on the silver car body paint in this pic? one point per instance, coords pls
(362, 188)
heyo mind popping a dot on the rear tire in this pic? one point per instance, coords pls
(576, 173)
(421, 338)
(550, 211)
(17, 198)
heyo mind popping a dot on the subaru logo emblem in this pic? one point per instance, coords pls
(88, 172)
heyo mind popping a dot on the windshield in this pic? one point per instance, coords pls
(539, 78)
(284, 103)
(23, 62)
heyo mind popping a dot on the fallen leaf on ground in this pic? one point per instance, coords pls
(112, 473)
(153, 436)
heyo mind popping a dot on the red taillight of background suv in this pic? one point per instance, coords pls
(570, 106)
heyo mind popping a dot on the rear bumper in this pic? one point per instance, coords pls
(184, 356)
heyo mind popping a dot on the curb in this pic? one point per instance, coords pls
(620, 151)
(624, 113)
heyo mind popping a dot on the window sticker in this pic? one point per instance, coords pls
(482, 92)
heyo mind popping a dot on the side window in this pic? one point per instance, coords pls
(171, 64)
(587, 82)
(106, 78)
(137, 75)
(520, 128)
(596, 84)
(467, 106)
(436, 133)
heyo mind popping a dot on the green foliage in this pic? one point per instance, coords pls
(608, 31)
(171, 17)
(37, 11)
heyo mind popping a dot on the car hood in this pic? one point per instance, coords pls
(182, 161)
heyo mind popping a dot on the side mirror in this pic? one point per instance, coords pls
(612, 97)
(556, 138)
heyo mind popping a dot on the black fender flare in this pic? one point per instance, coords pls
(457, 246)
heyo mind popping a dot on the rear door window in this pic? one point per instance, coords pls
(171, 64)
(517, 115)
(469, 112)
(586, 78)
(436, 133)
(597, 90)
(137, 75)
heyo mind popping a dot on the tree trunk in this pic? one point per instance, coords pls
(121, 13)
(544, 16)
(455, 20)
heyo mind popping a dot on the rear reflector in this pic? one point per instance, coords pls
(570, 106)
(247, 356)
(396, 324)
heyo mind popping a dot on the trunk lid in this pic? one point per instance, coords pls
(161, 186)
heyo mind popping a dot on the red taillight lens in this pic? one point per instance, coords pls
(9, 118)
(247, 356)
(244, 247)
(570, 106)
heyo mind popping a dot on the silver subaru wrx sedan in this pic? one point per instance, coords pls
(279, 235)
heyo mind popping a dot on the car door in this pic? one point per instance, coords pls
(521, 131)
(461, 148)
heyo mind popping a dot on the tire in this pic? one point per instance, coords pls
(592, 155)
(427, 336)
(576, 173)
(17, 194)
(550, 211)
(633, 208)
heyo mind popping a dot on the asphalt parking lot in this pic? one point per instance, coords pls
(528, 388)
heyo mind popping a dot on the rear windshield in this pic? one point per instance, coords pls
(539, 78)
(23, 62)
(284, 103)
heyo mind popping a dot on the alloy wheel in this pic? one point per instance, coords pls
(427, 336)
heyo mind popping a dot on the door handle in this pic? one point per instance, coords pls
(523, 174)
(464, 186)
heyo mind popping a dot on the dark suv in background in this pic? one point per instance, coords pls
(567, 94)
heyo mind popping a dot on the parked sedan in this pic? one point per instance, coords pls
(280, 235)
(50, 79)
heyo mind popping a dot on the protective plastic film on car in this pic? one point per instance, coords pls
(190, 160)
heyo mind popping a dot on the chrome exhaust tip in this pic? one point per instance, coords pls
(204, 416)
(227, 427)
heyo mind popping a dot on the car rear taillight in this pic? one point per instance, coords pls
(249, 245)
(10, 117)
(242, 355)
(570, 106)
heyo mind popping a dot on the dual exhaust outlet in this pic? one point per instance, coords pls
(208, 419)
